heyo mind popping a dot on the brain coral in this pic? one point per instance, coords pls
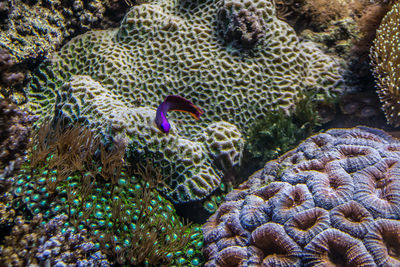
(385, 55)
(117, 77)
(334, 199)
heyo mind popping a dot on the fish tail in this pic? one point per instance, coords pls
(178, 103)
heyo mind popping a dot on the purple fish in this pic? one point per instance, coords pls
(177, 103)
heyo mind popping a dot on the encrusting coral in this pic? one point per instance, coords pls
(15, 129)
(335, 199)
(386, 61)
(114, 79)
(32, 30)
(51, 243)
(36, 28)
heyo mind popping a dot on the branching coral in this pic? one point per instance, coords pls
(277, 133)
(386, 61)
(320, 203)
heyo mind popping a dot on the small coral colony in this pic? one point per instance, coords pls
(200, 133)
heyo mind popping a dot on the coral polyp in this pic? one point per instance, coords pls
(384, 54)
(73, 172)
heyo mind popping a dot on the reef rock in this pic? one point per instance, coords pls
(114, 80)
(333, 199)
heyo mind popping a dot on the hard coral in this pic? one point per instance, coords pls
(14, 136)
(35, 28)
(9, 77)
(386, 62)
(51, 243)
(99, 77)
(32, 30)
(342, 186)
(242, 25)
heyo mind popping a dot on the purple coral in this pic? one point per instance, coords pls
(383, 242)
(305, 225)
(334, 199)
(333, 247)
(352, 218)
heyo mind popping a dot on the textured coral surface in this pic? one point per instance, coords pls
(234, 59)
(33, 28)
(385, 54)
(15, 129)
(335, 199)
(51, 243)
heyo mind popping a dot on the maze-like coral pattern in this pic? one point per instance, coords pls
(180, 47)
(194, 176)
(335, 198)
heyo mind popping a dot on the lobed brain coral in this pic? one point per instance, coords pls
(335, 199)
(234, 59)
(385, 56)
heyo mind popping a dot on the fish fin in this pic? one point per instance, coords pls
(178, 103)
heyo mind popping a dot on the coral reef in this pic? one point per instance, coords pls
(14, 136)
(368, 22)
(52, 243)
(113, 79)
(384, 55)
(311, 14)
(241, 25)
(276, 133)
(72, 172)
(7, 212)
(334, 199)
(37, 28)
(9, 78)
(33, 30)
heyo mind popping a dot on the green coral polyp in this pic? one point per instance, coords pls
(94, 211)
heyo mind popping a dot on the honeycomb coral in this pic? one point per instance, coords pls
(167, 47)
(281, 217)
(385, 56)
